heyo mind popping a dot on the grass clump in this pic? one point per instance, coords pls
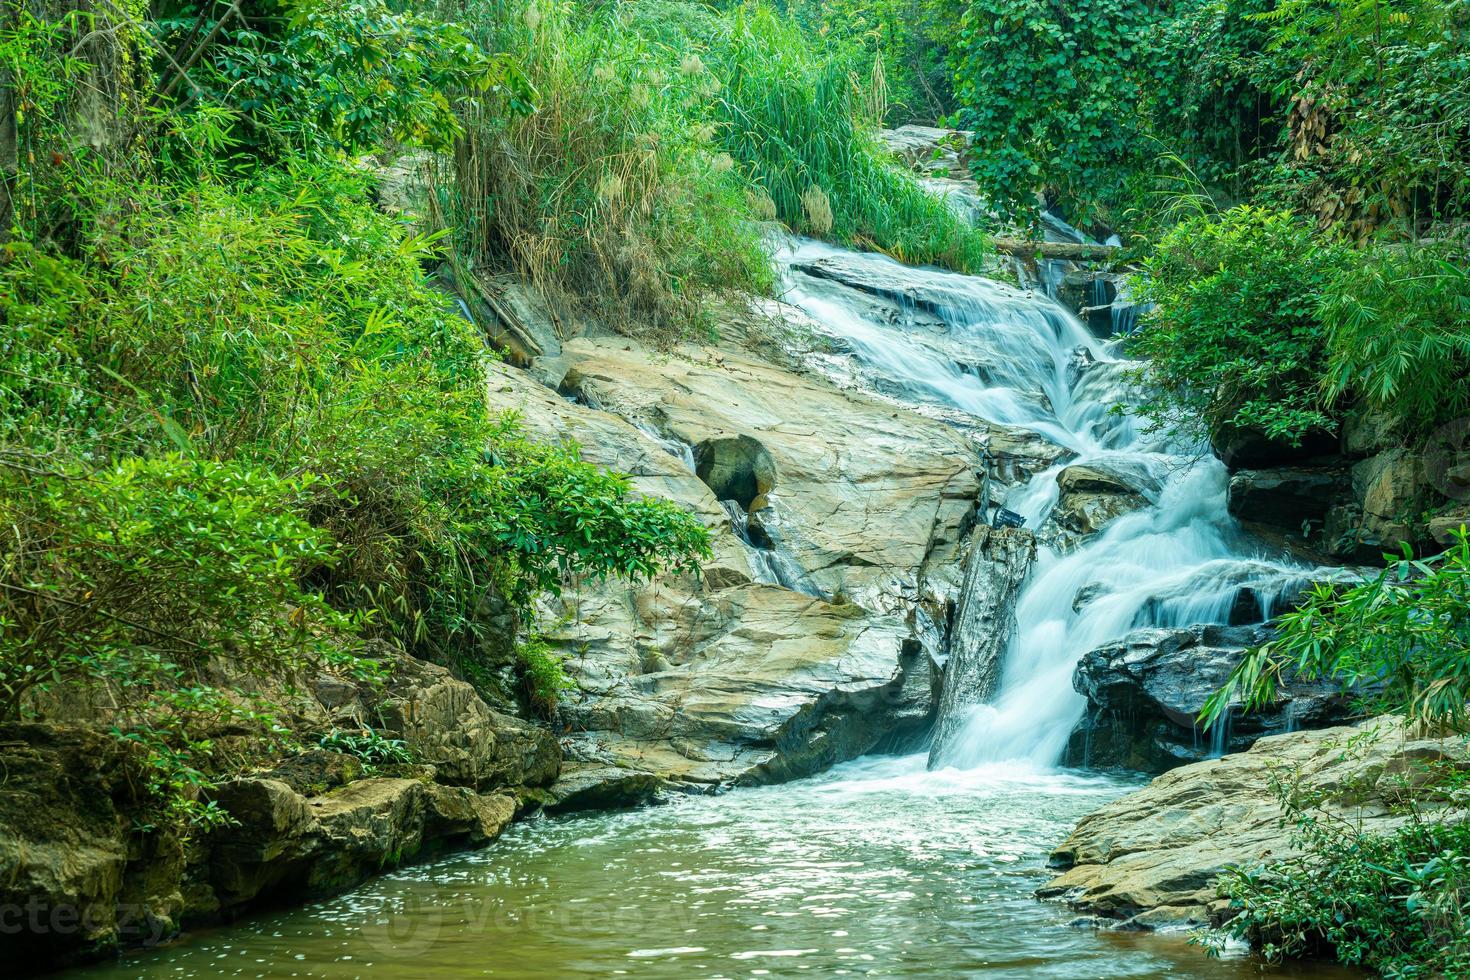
(798, 115)
(612, 196)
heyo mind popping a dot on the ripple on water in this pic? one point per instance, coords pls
(877, 868)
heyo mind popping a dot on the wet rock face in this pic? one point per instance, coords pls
(983, 626)
(1150, 859)
(1145, 691)
(685, 683)
(1093, 495)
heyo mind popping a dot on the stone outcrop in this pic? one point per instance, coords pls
(725, 678)
(1094, 494)
(74, 867)
(1292, 499)
(447, 725)
(1151, 859)
(73, 805)
(984, 624)
(1145, 691)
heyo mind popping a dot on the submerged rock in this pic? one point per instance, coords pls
(1150, 859)
(984, 623)
(1145, 691)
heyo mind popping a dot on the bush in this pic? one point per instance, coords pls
(795, 115)
(1397, 903)
(241, 430)
(1234, 335)
(1398, 325)
(612, 196)
(1405, 633)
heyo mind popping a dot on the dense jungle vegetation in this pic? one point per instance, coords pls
(240, 421)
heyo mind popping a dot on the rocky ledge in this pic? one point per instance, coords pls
(1145, 692)
(81, 863)
(1150, 860)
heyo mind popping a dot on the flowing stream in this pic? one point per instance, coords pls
(881, 867)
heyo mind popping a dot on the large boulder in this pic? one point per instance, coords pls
(1294, 499)
(79, 877)
(446, 724)
(1093, 494)
(1151, 859)
(280, 842)
(1145, 691)
(729, 677)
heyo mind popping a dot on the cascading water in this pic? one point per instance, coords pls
(1010, 356)
(879, 867)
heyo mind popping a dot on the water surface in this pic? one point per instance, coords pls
(877, 868)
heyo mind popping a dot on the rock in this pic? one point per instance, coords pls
(1092, 495)
(457, 816)
(584, 786)
(446, 724)
(1248, 449)
(1152, 857)
(984, 623)
(1442, 526)
(316, 771)
(1145, 691)
(1288, 498)
(1391, 489)
(309, 847)
(77, 877)
(1365, 432)
(929, 149)
(722, 678)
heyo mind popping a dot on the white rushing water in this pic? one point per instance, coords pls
(1012, 356)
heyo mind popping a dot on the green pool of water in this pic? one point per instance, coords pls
(877, 868)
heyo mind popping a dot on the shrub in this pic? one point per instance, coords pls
(1397, 903)
(239, 431)
(1234, 335)
(1398, 326)
(612, 196)
(795, 114)
(1407, 630)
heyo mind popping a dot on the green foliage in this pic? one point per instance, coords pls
(542, 674)
(1052, 94)
(367, 745)
(1398, 323)
(240, 430)
(612, 196)
(1379, 109)
(906, 39)
(796, 116)
(1234, 336)
(1397, 903)
(138, 573)
(1405, 631)
(321, 75)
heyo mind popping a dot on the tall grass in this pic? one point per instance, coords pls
(799, 116)
(612, 196)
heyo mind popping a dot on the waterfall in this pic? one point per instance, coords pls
(979, 348)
